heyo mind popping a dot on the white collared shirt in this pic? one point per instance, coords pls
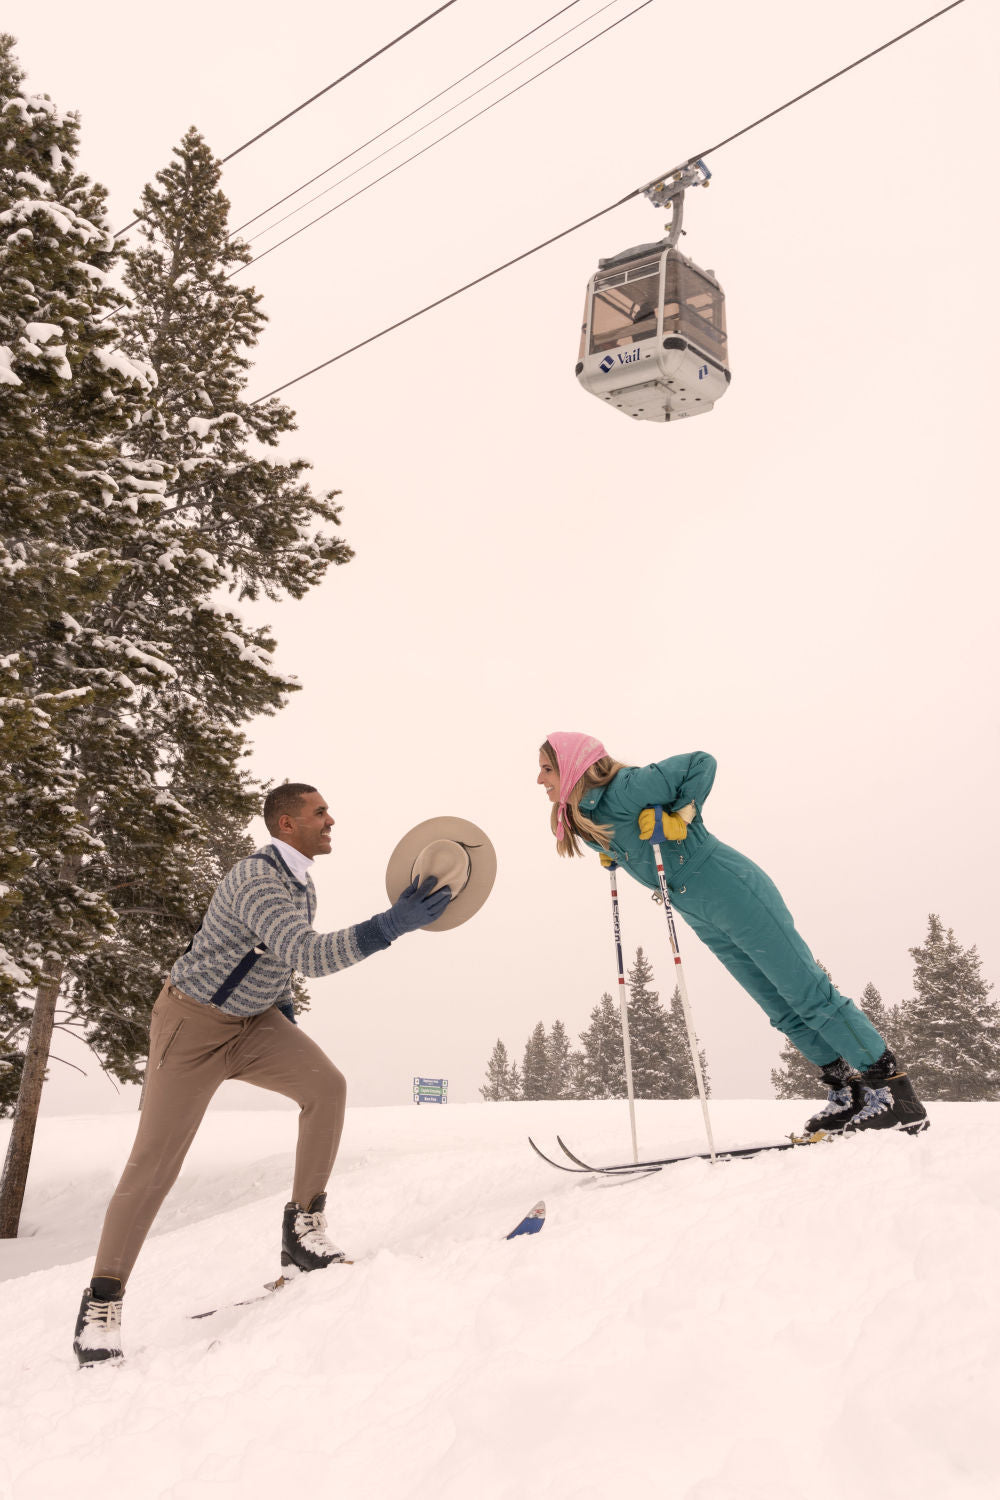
(297, 862)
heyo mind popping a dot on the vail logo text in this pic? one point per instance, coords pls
(608, 361)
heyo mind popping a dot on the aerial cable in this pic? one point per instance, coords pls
(806, 92)
(635, 193)
(447, 298)
(424, 149)
(427, 124)
(313, 97)
(402, 120)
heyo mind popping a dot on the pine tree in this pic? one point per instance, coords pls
(499, 1077)
(883, 1018)
(576, 1085)
(69, 398)
(232, 519)
(647, 1031)
(70, 494)
(950, 1029)
(680, 1080)
(797, 1078)
(253, 521)
(557, 1063)
(144, 678)
(602, 1068)
(191, 672)
(535, 1069)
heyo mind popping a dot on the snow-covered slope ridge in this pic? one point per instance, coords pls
(787, 1328)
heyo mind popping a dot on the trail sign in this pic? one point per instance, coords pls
(430, 1091)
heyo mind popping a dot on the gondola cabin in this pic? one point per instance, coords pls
(654, 335)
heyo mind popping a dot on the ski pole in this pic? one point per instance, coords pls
(623, 1007)
(682, 986)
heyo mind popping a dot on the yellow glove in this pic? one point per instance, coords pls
(674, 825)
(606, 861)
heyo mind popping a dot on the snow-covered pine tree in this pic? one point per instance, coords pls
(499, 1082)
(680, 1079)
(602, 1069)
(535, 1068)
(254, 520)
(159, 791)
(576, 1086)
(557, 1060)
(70, 395)
(884, 1018)
(949, 1037)
(233, 519)
(196, 672)
(797, 1078)
(647, 1032)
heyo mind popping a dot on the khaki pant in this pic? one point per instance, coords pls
(193, 1048)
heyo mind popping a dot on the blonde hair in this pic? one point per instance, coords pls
(575, 825)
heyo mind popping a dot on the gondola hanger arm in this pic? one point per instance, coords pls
(662, 190)
(671, 189)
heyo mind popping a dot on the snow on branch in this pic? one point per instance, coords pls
(203, 426)
(7, 376)
(10, 970)
(137, 371)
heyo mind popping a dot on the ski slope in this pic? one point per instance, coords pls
(787, 1328)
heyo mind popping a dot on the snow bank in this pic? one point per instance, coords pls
(778, 1329)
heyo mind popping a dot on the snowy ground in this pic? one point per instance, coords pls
(798, 1326)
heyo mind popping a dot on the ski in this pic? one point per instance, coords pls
(530, 1224)
(738, 1153)
(270, 1287)
(559, 1165)
(624, 1169)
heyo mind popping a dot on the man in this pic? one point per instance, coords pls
(226, 1012)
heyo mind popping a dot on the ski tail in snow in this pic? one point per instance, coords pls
(530, 1224)
(270, 1287)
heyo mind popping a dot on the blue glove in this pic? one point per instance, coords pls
(416, 907)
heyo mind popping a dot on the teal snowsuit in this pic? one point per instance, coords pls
(734, 908)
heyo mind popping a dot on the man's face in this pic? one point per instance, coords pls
(308, 830)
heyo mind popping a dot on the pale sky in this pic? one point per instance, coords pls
(802, 582)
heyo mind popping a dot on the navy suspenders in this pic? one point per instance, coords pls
(247, 962)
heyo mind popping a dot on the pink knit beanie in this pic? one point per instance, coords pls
(575, 753)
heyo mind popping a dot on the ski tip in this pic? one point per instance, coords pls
(531, 1223)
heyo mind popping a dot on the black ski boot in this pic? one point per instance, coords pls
(98, 1335)
(844, 1099)
(889, 1102)
(304, 1242)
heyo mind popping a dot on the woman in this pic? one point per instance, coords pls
(621, 811)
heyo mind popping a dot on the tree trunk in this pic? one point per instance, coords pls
(22, 1135)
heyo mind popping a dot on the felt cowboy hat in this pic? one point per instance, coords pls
(457, 854)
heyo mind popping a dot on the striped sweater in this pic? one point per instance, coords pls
(260, 904)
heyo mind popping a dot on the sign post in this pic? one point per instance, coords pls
(430, 1091)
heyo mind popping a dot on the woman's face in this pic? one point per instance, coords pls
(548, 777)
